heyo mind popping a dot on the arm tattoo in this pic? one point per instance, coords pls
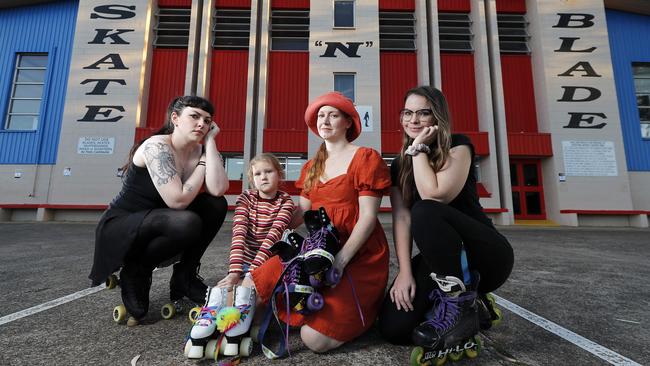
(188, 187)
(162, 165)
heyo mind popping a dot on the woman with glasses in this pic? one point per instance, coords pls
(433, 300)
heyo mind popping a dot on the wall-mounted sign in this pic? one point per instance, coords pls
(365, 114)
(96, 145)
(349, 49)
(589, 158)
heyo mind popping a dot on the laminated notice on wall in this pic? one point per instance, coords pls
(365, 114)
(589, 158)
(96, 145)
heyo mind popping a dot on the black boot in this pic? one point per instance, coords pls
(322, 244)
(453, 318)
(186, 282)
(135, 291)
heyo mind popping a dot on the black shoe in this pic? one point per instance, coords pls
(186, 282)
(134, 296)
(452, 320)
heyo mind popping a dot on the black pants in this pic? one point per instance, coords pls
(166, 234)
(440, 231)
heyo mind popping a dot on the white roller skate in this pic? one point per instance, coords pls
(236, 322)
(205, 326)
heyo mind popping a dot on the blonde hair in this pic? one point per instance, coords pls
(268, 158)
(440, 152)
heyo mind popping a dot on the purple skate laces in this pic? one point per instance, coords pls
(446, 308)
(315, 242)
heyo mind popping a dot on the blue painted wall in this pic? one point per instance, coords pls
(629, 40)
(39, 28)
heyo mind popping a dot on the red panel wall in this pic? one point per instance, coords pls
(511, 6)
(459, 87)
(462, 6)
(289, 4)
(398, 73)
(389, 5)
(287, 99)
(518, 93)
(233, 4)
(228, 78)
(175, 3)
(165, 85)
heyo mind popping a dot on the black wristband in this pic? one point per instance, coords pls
(201, 162)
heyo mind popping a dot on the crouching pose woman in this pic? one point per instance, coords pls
(435, 203)
(159, 214)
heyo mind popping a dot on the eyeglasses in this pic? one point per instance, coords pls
(423, 115)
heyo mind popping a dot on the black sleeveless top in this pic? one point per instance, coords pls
(138, 191)
(467, 200)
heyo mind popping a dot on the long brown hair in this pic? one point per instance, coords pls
(317, 168)
(439, 149)
(177, 105)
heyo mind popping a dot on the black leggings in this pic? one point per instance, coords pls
(440, 231)
(166, 233)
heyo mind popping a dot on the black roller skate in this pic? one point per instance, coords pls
(294, 283)
(320, 247)
(185, 284)
(135, 282)
(489, 313)
(450, 331)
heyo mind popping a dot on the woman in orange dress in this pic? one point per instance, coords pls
(349, 182)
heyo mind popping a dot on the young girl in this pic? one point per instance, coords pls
(261, 216)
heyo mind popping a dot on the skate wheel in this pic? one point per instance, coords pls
(332, 276)
(416, 357)
(315, 280)
(315, 302)
(111, 282)
(194, 314)
(475, 350)
(119, 313)
(132, 322)
(255, 333)
(211, 349)
(168, 311)
(188, 345)
(439, 361)
(246, 347)
(493, 304)
(456, 356)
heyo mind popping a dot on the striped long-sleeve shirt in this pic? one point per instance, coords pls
(257, 224)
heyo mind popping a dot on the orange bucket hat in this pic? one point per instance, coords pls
(340, 102)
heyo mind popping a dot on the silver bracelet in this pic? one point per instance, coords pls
(416, 149)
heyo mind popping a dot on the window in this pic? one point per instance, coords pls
(344, 83)
(396, 31)
(231, 29)
(27, 92)
(289, 30)
(455, 32)
(513, 33)
(343, 14)
(172, 28)
(641, 72)
(292, 166)
(234, 167)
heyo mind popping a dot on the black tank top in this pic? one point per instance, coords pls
(138, 191)
(467, 200)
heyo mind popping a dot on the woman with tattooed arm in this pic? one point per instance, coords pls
(161, 215)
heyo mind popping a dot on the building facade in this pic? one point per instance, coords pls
(555, 95)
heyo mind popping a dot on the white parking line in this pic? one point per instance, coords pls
(580, 341)
(50, 304)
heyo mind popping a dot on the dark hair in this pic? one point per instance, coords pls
(177, 105)
(440, 151)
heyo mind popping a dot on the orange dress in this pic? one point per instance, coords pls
(367, 175)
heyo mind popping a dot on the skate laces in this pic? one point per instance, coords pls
(446, 308)
(315, 241)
